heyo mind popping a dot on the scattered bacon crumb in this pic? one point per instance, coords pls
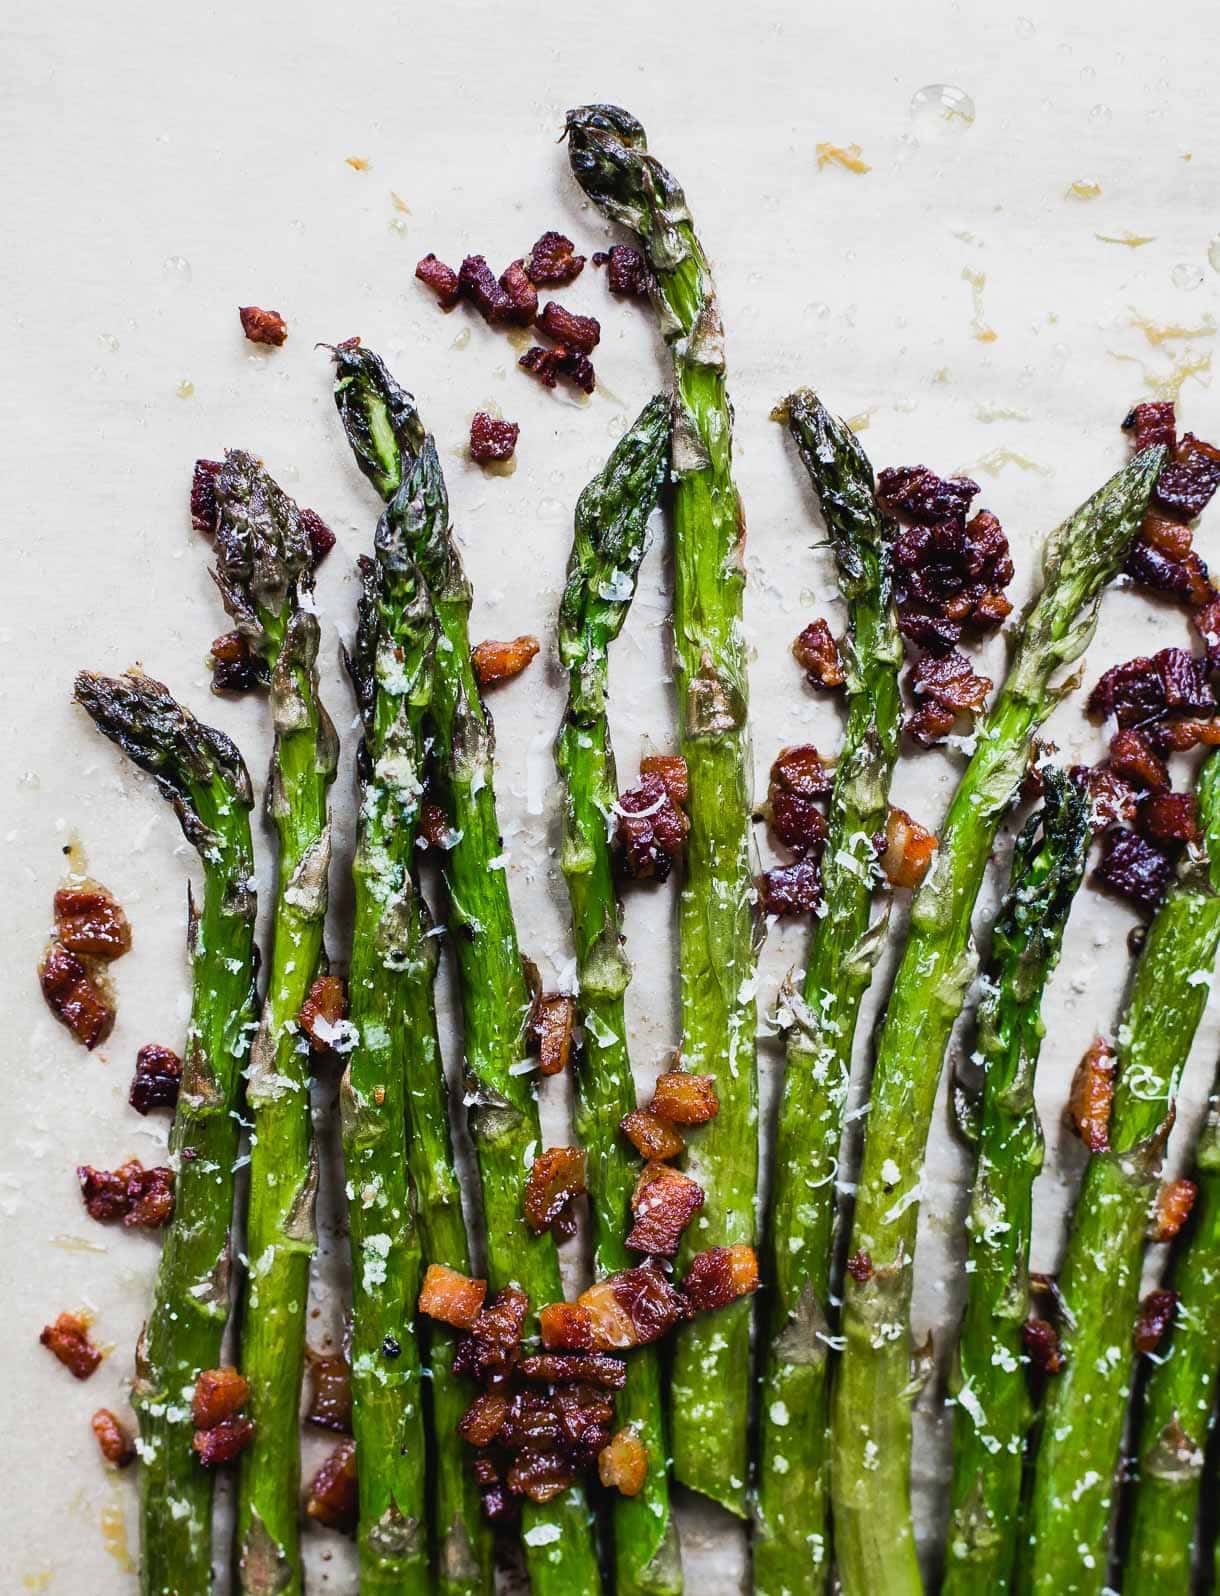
(263, 326)
(817, 654)
(548, 365)
(113, 1441)
(628, 276)
(454, 1298)
(227, 1441)
(798, 778)
(663, 1203)
(204, 509)
(323, 1008)
(1145, 688)
(650, 829)
(499, 662)
(1113, 800)
(1092, 1095)
(1162, 558)
(673, 773)
(491, 1347)
(330, 1396)
(1152, 425)
(333, 1494)
(1170, 817)
(1042, 1343)
(1132, 868)
(1155, 1317)
(860, 1267)
(1173, 1204)
(632, 1308)
(434, 825)
(566, 1326)
(791, 889)
(492, 439)
(556, 1179)
(944, 686)
(236, 668)
(484, 1418)
(650, 1135)
(720, 1275)
(595, 1368)
(551, 1022)
(142, 1198)
(321, 539)
(89, 921)
(480, 285)
(682, 1098)
(1134, 760)
(908, 849)
(68, 1339)
(566, 327)
(553, 260)
(73, 997)
(521, 293)
(441, 279)
(219, 1395)
(623, 1464)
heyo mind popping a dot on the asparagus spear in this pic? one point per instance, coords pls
(791, 1544)
(611, 538)
(711, 1369)
(870, 1488)
(202, 774)
(1084, 1412)
(264, 566)
(387, 437)
(993, 1410)
(1180, 1397)
(396, 1081)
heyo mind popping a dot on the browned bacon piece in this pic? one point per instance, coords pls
(1169, 817)
(566, 327)
(720, 1275)
(817, 654)
(622, 1465)
(522, 294)
(227, 1441)
(333, 1495)
(142, 1198)
(1155, 1317)
(499, 662)
(113, 1441)
(219, 1395)
(441, 279)
(453, 1298)
(797, 779)
(1042, 1343)
(263, 326)
(908, 849)
(553, 260)
(1092, 1095)
(556, 1179)
(491, 1347)
(73, 996)
(492, 440)
(548, 365)
(675, 777)
(683, 1098)
(791, 889)
(323, 1008)
(945, 686)
(663, 1203)
(480, 285)
(566, 1326)
(650, 829)
(68, 1339)
(552, 1020)
(650, 1135)
(204, 510)
(1132, 868)
(90, 921)
(330, 1392)
(593, 1368)
(236, 668)
(1174, 1202)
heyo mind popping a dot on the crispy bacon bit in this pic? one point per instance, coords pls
(1170, 817)
(1042, 1343)
(791, 889)
(73, 997)
(221, 1445)
(566, 327)
(500, 662)
(113, 1441)
(550, 1031)
(1134, 760)
(801, 769)
(649, 830)
(817, 654)
(484, 1418)
(1173, 1204)
(611, 1324)
(663, 1203)
(1144, 689)
(720, 1275)
(1152, 424)
(798, 777)
(556, 1179)
(1184, 579)
(453, 1298)
(492, 1346)
(650, 1135)
(1114, 801)
(860, 1267)
(1132, 868)
(236, 668)
(1155, 1317)
(89, 921)
(142, 1198)
(944, 687)
(434, 825)
(204, 509)
(322, 1010)
(330, 1396)
(682, 1098)
(492, 439)
(441, 279)
(632, 1308)
(219, 1394)
(566, 1326)
(541, 1475)
(623, 1464)
(333, 1495)
(478, 284)
(548, 365)
(628, 276)
(157, 1079)
(1173, 539)
(673, 773)
(1092, 1095)
(521, 292)
(321, 539)
(908, 849)
(68, 1339)
(594, 1368)
(1189, 480)
(552, 260)
(263, 326)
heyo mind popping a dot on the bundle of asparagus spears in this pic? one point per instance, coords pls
(477, 1404)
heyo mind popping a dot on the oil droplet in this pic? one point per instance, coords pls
(397, 225)
(178, 268)
(1187, 277)
(1213, 254)
(1025, 28)
(114, 1536)
(941, 105)
(185, 388)
(462, 339)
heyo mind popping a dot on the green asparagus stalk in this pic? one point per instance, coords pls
(870, 1487)
(711, 1368)
(792, 1539)
(611, 539)
(1073, 1492)
(1179, 1407)
(395, 1083)
(387, 437)
(993, 1411)
(202, 774)
(264, 569)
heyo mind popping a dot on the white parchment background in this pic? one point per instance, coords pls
(166, 163)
